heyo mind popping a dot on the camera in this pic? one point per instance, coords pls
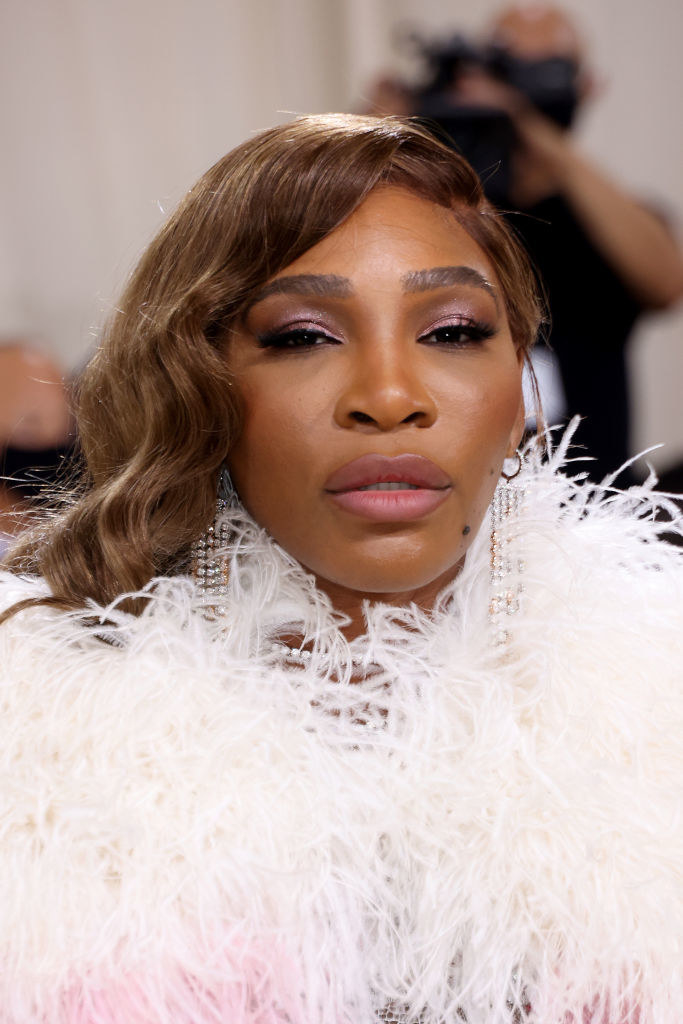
(486, 135)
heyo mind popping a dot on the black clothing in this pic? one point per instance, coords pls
(592, 315)
(31, 472)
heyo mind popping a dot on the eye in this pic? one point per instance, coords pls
(296, 338)
(459, 335)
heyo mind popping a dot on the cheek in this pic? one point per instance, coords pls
(485, 419)
(484, 411)
(272, 450)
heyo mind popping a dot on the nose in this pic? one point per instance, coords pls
(385, 389)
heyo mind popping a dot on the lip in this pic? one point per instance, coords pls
(388, 469)
(430, 487)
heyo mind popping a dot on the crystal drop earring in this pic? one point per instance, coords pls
(505, 568)
(209, 568)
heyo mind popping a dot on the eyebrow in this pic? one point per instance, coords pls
(324, 285)
(443, 277)
(335, 286)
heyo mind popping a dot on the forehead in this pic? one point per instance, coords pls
(536, 31)
(394, 228)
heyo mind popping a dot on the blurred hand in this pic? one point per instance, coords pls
(543, 144)
(637, 244)
(477, 88)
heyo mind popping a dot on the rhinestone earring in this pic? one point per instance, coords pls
(506, 585)
(209, 568)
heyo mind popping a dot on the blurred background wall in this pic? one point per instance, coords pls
(110, 109)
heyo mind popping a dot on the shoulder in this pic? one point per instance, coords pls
(15, 588)
(600, 627)
(38, 638)
(598, 530)
(22, 610)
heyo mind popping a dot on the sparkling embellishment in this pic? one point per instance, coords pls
(209, 567)
(391, 1015)
(296, 654)
(506, 586)
(517, 1005)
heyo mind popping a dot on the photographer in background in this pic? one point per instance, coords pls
(508, 105)
(36, 432)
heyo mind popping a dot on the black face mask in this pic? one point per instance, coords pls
(33, 470)
(550, 84)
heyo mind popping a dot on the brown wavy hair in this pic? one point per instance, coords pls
(156, 409)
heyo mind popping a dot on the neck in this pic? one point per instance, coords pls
(350, 602)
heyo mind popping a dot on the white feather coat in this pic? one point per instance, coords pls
(194, 829)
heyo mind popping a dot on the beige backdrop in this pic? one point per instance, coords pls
(109, 109)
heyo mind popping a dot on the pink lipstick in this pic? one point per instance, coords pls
(387, 489)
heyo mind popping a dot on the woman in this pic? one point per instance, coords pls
(359, 747)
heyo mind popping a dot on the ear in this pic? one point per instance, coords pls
(591, 86)
(517, 432)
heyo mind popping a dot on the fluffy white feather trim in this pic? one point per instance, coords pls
(195, 829)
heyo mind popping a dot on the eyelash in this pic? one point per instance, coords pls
(473, 332)
(295, 338)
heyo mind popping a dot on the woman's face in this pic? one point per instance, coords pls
(381, 392)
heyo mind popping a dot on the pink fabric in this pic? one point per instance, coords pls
(237, 986)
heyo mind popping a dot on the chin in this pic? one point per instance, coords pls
(396, 578)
